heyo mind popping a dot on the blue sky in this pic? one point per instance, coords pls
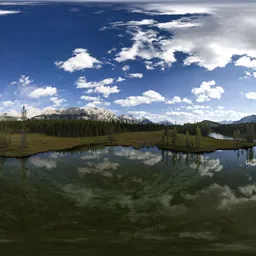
(182, 62)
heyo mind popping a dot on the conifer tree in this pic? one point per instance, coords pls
(24, 126)
(198, 137)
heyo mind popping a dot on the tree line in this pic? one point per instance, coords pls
(238, 131)
(74, 128)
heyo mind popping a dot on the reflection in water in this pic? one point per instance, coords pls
(124, 195)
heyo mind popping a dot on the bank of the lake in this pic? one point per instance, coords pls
(39, 143)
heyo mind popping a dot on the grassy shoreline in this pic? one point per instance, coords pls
(38, 143)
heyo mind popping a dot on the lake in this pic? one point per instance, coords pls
(219, 136)
(122, 201)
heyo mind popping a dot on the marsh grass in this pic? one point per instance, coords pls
(37, 143)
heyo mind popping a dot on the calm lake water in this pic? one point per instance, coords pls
(220, 136)
(122, 201)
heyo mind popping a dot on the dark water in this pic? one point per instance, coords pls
(122, 201)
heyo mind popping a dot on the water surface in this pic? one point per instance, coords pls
(118, 200)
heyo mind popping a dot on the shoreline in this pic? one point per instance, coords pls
(108, 144)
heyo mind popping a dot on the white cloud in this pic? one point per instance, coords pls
(136, 75)
(82, 83)
(106, 90)
(94, 101)
(43, 92)
(143, 46)
(177, 99)
(146, 98)
(210, 41)
(112, 50)
(7, 12)
(126, 67)
(134, 23)
(81, 60)
(171, 9)
(8, 103)
(207, 91)
(23, 81)
(89, 98)
(120, 79)
(57, 102)
(251, 95)
(246, 61)
(98, 87)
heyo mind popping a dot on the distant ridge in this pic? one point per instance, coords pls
(166, 122)
(247, 119)
(90, 113)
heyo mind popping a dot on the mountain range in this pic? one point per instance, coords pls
(90, 113)
(101, 114)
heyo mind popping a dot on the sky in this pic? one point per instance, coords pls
(177, 61)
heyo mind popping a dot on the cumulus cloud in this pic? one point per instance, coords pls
(136, 75)
(120, 79)
(43, 92)
(126, 67)
(81, 60)
(82, 83)
(57, 102)
(23, 81)
(207, 91)
(106, 90)
(251, 95)
(210, 41)
(8, 103)
(94, 101)
(246, 61)
(177, 99)
(147, 97)
(98, 87)
(143, 46)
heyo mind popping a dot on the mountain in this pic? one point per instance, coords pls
(128, 119)
(210, 123)
(87, 113)
(90, 113)
(247, 119)
(226, 122)
(144, 120)
(8, 118)
(166, 122)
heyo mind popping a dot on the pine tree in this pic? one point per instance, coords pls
(187, 139)
(198, 137)
(174, 136)
(24, 123)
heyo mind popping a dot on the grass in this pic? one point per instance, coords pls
(38, 143)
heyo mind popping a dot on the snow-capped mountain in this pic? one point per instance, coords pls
(144, 120)
(8, 118)
(226, 122)
(128, 119)
(89, 113)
